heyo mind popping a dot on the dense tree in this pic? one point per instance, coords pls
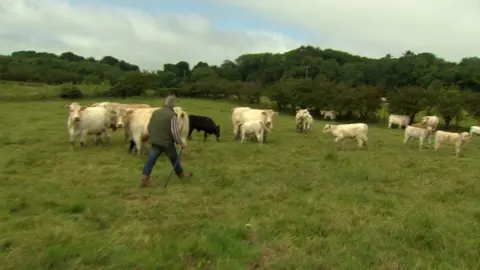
(304, 77)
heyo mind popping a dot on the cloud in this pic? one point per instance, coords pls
(374, 28)
(148, 39)
(150, 33)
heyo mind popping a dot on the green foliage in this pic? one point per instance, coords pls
(70, 92)
(307, 76)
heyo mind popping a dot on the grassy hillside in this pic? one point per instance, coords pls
(295, 202)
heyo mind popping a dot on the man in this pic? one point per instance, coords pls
(163, 134)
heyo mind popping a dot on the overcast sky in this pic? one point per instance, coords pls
(150, 33)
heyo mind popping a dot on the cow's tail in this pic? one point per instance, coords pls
(265, 127)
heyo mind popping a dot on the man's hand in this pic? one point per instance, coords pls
(182, 146)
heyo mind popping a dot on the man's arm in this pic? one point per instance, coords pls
(174, 129)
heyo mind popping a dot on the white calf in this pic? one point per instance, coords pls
(418, 133)
(245, 114)
(303, 120)
(253, 127)
(457, 139)
(474, 130)
(431, 121)
(308, 123)
(329, 114)
(357, 131)
(399, 120)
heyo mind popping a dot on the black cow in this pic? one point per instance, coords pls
(205, 124)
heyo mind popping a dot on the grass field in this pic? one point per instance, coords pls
(293, 203)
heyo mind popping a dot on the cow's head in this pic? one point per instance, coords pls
(74, 110)
(268, 117)
(327, 128)
(425, 119)
(121, 116)
(302, 113)
(465, 136)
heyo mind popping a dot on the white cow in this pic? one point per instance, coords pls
(244, 114)
(83, 121)
(256, 128)
(329, 114)
(457, 139)
(136, 126)
(303, 120)
(308, 123)
(237, 118)
(120, 118)
(417, 133)
(431, 121)
(183, 123)
(113, 107)
(474, 130)
(399, 120)
(358, 131)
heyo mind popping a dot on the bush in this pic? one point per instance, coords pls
(121, 90)
(70, 92)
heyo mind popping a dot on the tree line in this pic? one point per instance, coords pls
(303, 77)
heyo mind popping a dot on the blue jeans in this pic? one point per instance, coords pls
(154, 154)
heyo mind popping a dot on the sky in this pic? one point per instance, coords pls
(150, 33)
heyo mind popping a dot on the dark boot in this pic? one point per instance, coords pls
(185, 175)
(145, 181)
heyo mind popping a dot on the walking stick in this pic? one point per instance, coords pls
(176, 163)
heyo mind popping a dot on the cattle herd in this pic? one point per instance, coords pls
(247, 124)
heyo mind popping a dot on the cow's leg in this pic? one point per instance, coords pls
(458, 147)
(132, 145)
(235, 128)
(260, 137)
(360, 142)
(205, 135)
(126, 135)
(83, 137)
(237, 132)
(437, 146)
(107, 136)
(420, 144)
(97, 138)
(405, 141)
(138, 144)
(189, 137)
(243, 137)
(72, 140)
(337, 140)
